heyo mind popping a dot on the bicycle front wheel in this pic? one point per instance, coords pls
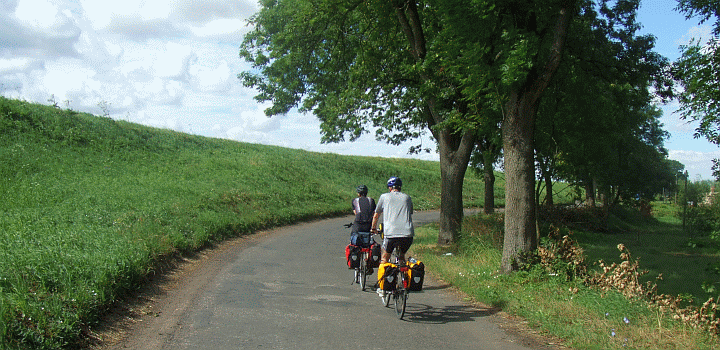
(386, 298)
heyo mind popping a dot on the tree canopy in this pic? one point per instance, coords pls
(697, 71)
(456, 69)
(402, 68)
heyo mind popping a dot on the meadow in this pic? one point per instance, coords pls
(578, 314)
(91, 205)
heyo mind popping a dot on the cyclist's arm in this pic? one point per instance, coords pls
(374, 222)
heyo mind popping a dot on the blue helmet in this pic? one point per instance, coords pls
(394, 182)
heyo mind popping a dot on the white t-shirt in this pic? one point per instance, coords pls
(397, 209)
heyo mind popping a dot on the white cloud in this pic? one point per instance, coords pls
(15, 65)
(203, 11)
(697, 34)
(171, 60)
(698, 164)
(218, 27)
(40, 14)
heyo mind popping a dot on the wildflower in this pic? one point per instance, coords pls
(625, 319)
(612, 334)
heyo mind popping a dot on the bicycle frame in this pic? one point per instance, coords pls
(363, 270)
(400, 293)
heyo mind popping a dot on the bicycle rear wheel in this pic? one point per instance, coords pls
(363, 271)
(400, 295)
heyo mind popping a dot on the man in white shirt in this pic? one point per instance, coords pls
(397, 209)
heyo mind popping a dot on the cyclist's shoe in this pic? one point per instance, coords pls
(381, 292)
(370, 271)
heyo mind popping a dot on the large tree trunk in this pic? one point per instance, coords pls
(454, 158)
(517, 127)
(590, 193)
(518, 148)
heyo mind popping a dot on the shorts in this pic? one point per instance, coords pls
(403, 243)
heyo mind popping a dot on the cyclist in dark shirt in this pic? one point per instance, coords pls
(364, 209)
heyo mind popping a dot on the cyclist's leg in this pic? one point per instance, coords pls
(388, 245)
(404, 244)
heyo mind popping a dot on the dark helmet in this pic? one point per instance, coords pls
(362, 189)
(394, 182)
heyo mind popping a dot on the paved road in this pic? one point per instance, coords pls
(291, 289)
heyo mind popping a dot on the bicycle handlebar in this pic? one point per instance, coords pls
(379, 231)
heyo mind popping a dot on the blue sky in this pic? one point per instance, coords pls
(672, 30)
(173, 64)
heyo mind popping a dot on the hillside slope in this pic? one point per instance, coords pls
(91, 204)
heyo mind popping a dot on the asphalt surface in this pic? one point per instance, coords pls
(291, 289)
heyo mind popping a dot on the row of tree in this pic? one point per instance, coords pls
(697, 71)
(564, 84)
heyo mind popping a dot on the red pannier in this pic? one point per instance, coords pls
(352, 255)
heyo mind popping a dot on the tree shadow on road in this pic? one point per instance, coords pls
(442, 286)
(422, 313)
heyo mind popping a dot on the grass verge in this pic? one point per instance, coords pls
(584, 317)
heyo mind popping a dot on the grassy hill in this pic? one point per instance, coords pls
(90, 205)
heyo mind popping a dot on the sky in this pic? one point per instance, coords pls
(174, 63)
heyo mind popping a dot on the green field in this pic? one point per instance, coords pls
(90, 205)
(584, 317)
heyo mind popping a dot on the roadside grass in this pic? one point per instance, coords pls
(583, 317)
(91, 205)
(682, 260)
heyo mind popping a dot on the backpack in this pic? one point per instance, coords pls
(416, 275)
(352, 255)
(387, 274)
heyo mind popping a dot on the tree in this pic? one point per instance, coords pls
(406, 67)
(362, 64)
(487, 153)
(539, 31)
(600, 117)
(696, 70)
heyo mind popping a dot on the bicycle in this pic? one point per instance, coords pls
(399, 292)
(362, 271)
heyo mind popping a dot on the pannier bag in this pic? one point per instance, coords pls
(387, 274)
(416, 276)
(352, 254)
(361, 239)
(374, 258)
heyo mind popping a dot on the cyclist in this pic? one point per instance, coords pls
(397, 209)
(363, 208)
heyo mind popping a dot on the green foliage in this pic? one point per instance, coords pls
(90, 205)
(697, 71)
(602, 126)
